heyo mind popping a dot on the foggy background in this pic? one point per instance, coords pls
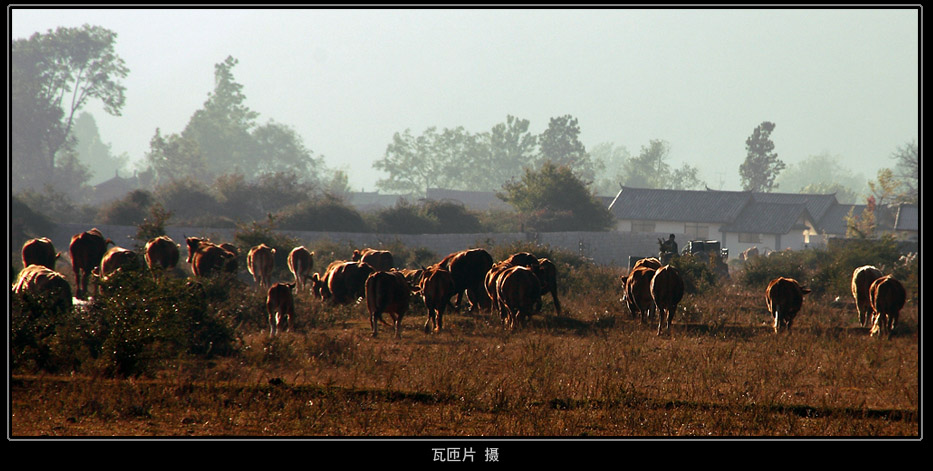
(843, 83)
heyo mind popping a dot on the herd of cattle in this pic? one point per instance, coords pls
(512, 288)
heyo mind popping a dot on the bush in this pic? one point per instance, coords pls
(405, 218)
(128, 211)
(323, 214)
(452, 217)
(191, 202)
(696, 273)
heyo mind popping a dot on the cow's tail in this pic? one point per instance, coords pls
(376, 299)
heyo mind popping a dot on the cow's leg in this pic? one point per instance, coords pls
(428, 323)
(398, 326)
(373, 320)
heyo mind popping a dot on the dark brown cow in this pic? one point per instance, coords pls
(387, 292)
(346, 281)
(436, 287)
(319, 282)
(637, 292)
(468, 268)
(229, 248)
(40, 280)
(259, 261)
(518, 292)
(115, 259)
(380, 260)
(207, 258)
(300, 263)
(280, 303)
(888, 297)
(862, 278)
(162, 253)
(749, 253)
(547, 273)
(667, 289)
(87, 249)
(784, 297)
(40, 251)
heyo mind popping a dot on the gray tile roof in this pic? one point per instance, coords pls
(769, 218)
(679, 205)
(834, 221)
(908, 218)
(817, 204)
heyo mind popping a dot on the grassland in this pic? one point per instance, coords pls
(591, 372)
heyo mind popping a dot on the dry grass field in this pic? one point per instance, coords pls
(591, 372)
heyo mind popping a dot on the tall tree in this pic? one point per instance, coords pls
(175, 157)
(93, 152)
(53, 76)
(609, 162)
(511, 149)
(649, 169)
(908, 172)
(409, 163)
(554, 199)
(222, 127)
(560, 144)
(823, 173)
(761, 164)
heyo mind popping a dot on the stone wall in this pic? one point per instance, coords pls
(604, 248)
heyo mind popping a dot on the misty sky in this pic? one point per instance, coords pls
(836, 81)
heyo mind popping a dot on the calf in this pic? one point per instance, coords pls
(862, 278)
(280, 303)
(784, 297)
(387, 292)
(437, 287)
(637, 289)
(259, 261)
(888, 297)
(161, 253)
(519, 292)
(40, 251)
(115, 259)
(667, 289)
(300, 263)
(87, 249)
(207, 258)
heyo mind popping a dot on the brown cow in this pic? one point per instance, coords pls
(87, 249)
(206, 258)
(749, 253)
(862, 278)
(468, 268)
(41, 280)
(518, 292)
(40, 251)
(259, 262)
(667, 289)
(319, 282)
(229, 248)
(413, 276)
(650, 262)
(280, 303)
(547, 273)
(637, 292)
(888, 297)
(387, 292)
(346, 281)
(380, 260)
(162, 253)
(784, 297)
(490, 282)
(115, 259)
(436, 287)
(300, 263)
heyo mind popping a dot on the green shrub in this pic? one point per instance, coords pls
(452, 217)
(405, 218)
(696, 273)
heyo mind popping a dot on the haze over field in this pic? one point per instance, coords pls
(837, 82)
